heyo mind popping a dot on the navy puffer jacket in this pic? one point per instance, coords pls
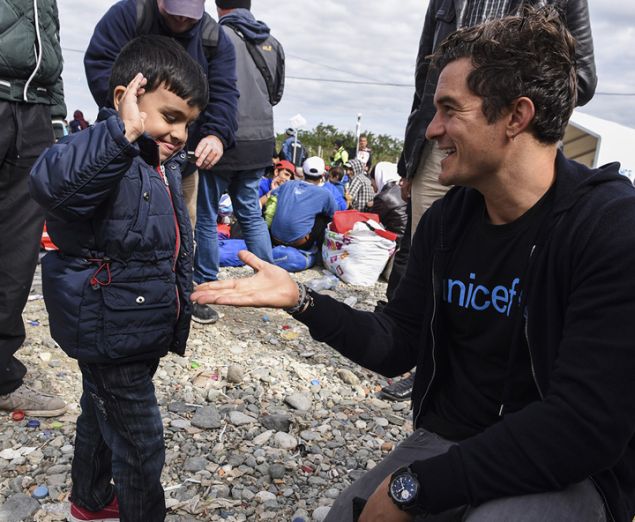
(116, 289)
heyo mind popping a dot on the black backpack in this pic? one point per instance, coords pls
(209, 33)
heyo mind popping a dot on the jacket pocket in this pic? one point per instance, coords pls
(138, 317)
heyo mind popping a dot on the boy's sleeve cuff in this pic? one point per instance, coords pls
(117, 131)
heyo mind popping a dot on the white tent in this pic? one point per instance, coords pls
(594, 142)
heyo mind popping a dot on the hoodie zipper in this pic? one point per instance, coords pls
(531, 358)
(434, 361)
(177, 246)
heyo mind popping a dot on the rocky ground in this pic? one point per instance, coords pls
(261, 422)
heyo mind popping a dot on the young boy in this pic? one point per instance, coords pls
(283, 171)
(335, 186)
(117, 292)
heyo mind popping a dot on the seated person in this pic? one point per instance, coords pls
(335, 186)
(283, 171)
(302, 208)
(388, 203)
(360, 189)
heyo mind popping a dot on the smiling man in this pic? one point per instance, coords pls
(516, 306)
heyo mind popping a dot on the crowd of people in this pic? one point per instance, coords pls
(510, 292)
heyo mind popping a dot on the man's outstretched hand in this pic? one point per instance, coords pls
(271, 286)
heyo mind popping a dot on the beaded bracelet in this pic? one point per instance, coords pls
(305, 299)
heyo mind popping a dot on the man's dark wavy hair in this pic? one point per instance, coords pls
(532, 55)
(163, 61)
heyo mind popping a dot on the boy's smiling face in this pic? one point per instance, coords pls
(167, 119)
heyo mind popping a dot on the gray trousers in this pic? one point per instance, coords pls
(578, 503)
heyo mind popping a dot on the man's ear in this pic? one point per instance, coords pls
(117, 94)
(520, 116)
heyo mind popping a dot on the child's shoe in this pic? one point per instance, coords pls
(110, 513)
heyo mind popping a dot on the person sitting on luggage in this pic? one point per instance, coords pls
(302, 209)
(335, 186)
(283, 171)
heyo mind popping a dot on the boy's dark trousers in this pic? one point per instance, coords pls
(120, 436)
(26, 131)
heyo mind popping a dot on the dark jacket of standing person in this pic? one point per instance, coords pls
(255, 136)
(24, 78)
(440, 21)
(119, 25)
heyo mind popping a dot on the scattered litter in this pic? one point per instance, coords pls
(315, 382)
(17, 415)
(286, 327)
(35, 297)
(195, 365)
(34, 323)
(10, 454)
(40, 492)
(265, 318)
(33, 423)
(56, 425)
(350, 300)
(289, 336)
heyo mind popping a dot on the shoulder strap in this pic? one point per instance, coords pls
(144, 16)
(209, 31)
(261, 64)
(209, 35)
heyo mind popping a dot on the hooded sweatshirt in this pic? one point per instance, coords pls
(577, 322)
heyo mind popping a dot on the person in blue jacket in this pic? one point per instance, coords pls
(335, 186)
(117, 291)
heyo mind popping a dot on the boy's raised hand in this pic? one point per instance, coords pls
(133, 118)
(271, 286)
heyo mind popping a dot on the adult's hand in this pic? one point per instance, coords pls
(381, 508)
(405, 184)
(128, 108)
(271, 287)
(208, 152)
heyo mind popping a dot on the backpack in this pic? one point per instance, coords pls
(209, 32)
(275, 86)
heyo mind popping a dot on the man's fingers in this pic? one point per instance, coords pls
(216, 285)
(252, 260)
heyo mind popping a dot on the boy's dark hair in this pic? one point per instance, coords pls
(532, 55)
(163, 61)
(337, 173)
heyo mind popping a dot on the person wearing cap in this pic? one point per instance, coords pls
(302, 208)
(185, 21)
(240, 170)
(292, 149)
(360, 188)
(283, 171)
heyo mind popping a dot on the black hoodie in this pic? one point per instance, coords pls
(579, 324)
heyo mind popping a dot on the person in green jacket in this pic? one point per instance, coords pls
(32, 113)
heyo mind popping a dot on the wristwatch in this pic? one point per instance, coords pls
(404, 490)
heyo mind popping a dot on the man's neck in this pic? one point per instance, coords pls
(521, 184)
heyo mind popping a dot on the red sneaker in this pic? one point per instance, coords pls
(110, 513)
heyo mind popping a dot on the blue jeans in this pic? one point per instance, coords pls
(580, 502)
(242, 186)
(120, 436)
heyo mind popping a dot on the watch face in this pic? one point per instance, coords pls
(404, 488)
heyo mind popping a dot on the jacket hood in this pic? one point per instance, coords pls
(384, 173)
(253, 30)
(572, 182)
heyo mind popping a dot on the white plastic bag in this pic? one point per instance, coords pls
(357, 257)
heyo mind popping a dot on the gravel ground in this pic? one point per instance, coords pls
(261, 422)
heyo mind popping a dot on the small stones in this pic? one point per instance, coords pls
(299, 401)
(348, 376)
(238, 418)
(235, 374)
(283, 440)
(18, 507)
(207, 418)
(276, 422)
(276, 471)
